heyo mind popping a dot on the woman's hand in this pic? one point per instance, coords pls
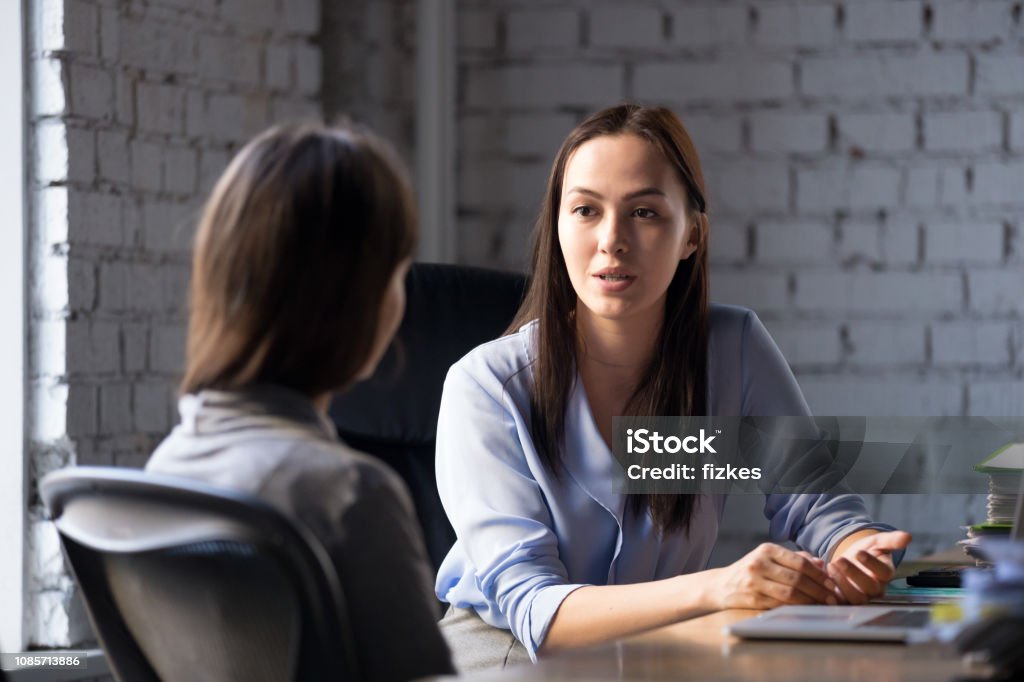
(862, 564)
(771, 576)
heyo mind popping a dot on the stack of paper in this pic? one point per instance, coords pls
(1004, 468)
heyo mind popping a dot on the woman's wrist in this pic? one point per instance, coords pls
(849, 539)
(697, 593)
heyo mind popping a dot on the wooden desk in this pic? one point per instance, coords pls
(697, 650)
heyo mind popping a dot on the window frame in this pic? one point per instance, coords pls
(13, 258)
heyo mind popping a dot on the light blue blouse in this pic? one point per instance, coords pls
(526, 539)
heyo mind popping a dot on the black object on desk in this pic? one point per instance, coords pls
(944, 576)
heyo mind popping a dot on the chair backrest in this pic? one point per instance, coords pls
(450, 310)
(183, 581)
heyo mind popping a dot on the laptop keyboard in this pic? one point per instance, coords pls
(898, 618)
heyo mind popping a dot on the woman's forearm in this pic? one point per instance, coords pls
(601, 613)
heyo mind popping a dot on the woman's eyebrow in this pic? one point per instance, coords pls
(646, 191)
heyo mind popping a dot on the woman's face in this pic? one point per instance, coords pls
(622, 227)
(392, 308)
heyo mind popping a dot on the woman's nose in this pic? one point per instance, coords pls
(613, 237)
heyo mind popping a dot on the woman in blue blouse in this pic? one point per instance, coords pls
(617, 321)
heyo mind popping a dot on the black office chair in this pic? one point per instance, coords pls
(183, 581)
(450, 310)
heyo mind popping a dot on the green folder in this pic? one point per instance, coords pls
(992, 528)
(1008, 458)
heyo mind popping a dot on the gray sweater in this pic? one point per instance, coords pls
(271, 442)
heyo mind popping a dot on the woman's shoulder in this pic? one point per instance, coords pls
(339, 460)
(747, 373)
(317, 471)
(730, 321)
(730, 329)
(728, 346)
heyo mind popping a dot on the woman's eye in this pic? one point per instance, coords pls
(644, 213)
(583, 211)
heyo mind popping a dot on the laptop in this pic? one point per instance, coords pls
(875, 623)
(855, 623)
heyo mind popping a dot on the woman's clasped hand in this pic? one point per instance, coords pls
(771, 576)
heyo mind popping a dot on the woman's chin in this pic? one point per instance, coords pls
(611, 311)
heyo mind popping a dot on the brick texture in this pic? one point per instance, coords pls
(864, 160)
(136, 107)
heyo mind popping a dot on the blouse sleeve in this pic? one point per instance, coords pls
(816, 523)
(497, 507)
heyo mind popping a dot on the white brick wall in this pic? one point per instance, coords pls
(730, 243)
(868, 77)
(580, 85)
(972, 342)
(996, 292)
(1016, 142)
(972, 21)
(749, 186)
(718, 81)
(999, 183)
(874, 344)
(887, 21)
(995, 397)
(789, 132)
(1000, 74)
(899, 393)
(795, 24)
(368, 51)
(865, 162)
(542, 29)
(708, 26)
(626, 27)
(965, 131)
(877, 132)
(956, 242)
(136, 107)
(786, 242)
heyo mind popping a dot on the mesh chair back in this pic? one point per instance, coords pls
(183, 581)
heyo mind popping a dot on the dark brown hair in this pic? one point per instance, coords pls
(675, 381)
(294, 251)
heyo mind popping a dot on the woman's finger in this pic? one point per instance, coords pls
(763, 601)
(800, 562)
(863, 582)
(882, 570)
(817, 561)
(786, 594)
(812, 588)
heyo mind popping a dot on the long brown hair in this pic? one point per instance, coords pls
(675, 380)
(293, 255)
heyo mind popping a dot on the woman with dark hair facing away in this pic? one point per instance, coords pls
(297, 290)
(617, 321)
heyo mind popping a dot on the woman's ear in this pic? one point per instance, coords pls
(697, 234)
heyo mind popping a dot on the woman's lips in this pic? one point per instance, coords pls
(614, 283)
